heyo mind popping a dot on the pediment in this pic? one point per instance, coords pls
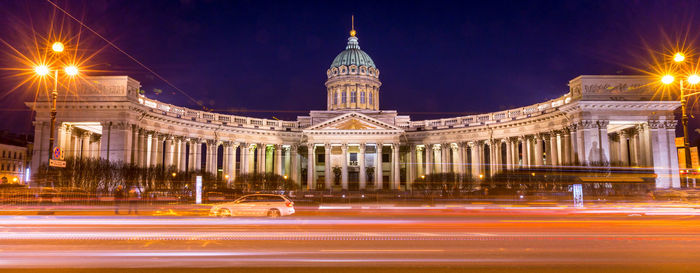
(353, 122)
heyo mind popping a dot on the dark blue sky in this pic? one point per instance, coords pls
(452, 56)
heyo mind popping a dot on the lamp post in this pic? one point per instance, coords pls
(43, 70)
(692, 80)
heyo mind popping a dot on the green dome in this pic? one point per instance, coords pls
(353, 55)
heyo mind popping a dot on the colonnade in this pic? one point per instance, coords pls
(587, 142)
(77, 143)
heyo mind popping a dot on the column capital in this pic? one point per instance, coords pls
(363, 146)
(327, 146)
(671, 124)
(655, 124)
(603, 123)
(344, 147)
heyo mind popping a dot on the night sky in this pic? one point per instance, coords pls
(265, 59)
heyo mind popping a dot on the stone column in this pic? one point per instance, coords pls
(197, 155)
(168, 152)
(646, 146)
(445, 158)
(85, 151)
(623, 148)
(183, 154)
(379, 172)
(673, 154)
(634, 149)
(553, 149)
(245, 152)
(566, 148)
(294, 172)
(603, 141)
(344, 166)
(509, 154)
(207, 157)
(135, 149)
(361, 163)
(476, 159)
(225, 160)
(574, 152)
(664, 153)
(411, 166)
(310, 168)
(328, 172)
(538, 150)
(428, 158)
(278, 159)
(232, 161)
(155, 141)
(527, 154)
(420, 153)
(395, 161)
(143, 152)
(190, 159)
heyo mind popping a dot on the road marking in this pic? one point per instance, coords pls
(382, 250)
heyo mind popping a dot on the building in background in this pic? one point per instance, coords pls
(14, 158)
(600, 121)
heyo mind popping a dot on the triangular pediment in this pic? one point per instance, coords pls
(353, 122)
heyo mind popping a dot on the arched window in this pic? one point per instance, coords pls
(362, 97)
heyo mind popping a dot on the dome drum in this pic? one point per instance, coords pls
(353, 80)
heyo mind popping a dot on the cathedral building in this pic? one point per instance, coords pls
(601, 119)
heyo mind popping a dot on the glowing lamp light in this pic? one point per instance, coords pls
(14, 179)
(226, 176)
(71, 70)
(481, 176)
(678, 57)
(41, 70)
(667, 79)
(693, 79)
(174, 174)
(285, 177)
(57, 47)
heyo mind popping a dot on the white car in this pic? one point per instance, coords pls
(271, 205)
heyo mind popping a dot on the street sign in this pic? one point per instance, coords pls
(198, 189)
(57, 153)
(57, 163)
(578, 195)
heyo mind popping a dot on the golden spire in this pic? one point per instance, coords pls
(352, 31)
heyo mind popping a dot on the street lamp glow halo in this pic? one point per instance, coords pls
(57, 47)
(678, 57)
(667, 79)
(41, 70)
(694, 79)
(71, 70)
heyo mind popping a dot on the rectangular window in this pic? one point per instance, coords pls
(385, 157)
(344, 98)
(320, 158)
(371, 101)
(362, 97)
(353, 97)
(335, 98)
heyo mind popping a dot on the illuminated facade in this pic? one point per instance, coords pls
(600, 120)
(13, 160)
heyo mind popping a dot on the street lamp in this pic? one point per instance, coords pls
(691, 80)
(43, 70)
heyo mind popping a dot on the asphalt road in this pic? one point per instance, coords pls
(422, 240)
